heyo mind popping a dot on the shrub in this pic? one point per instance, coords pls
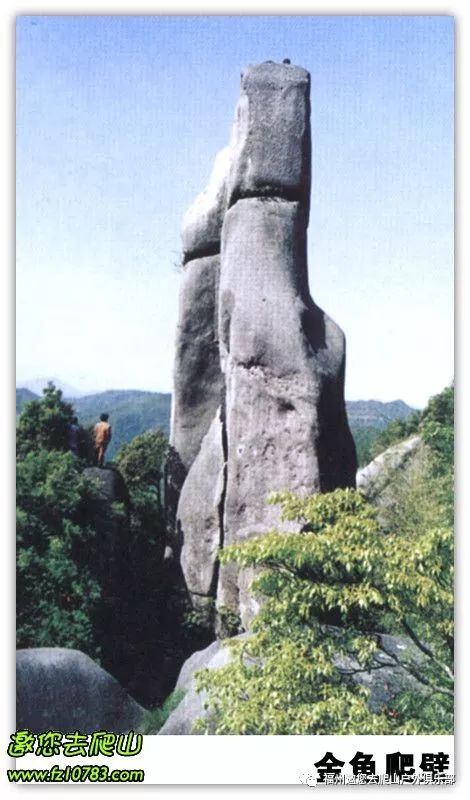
(326, 590)
(57, 593)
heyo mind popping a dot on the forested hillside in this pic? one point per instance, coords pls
(134, 412)
(131, 412)
(369, 419)
(22, 397)
(376, 414)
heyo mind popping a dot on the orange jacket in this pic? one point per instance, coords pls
(102, 432)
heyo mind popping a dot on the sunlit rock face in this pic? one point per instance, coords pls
(259, 370)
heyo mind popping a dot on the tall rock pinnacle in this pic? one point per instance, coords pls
(258, 400)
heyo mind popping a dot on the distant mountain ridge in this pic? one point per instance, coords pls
(23, 395)
(375, 413)
(36, 385)
(133, 412)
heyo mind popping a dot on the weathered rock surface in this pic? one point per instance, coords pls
(198, 660)
(283, 360)
(384, 480)
(110, 482)
(191, 708)
(198, 380)
(374, 477)
(271, 134)
(202, 223)
(199, 513)
(280, 354)
(251, 339)
(384, 683)
(64, 690)
(181, 720)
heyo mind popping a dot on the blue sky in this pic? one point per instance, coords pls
(118, 123)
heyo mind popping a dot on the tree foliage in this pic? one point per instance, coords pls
(422, 495)
(364, 439)
(151, 614)
(161, 632)
(435, 424)
(329, 594)
(43, 423)
(437, 428)
(141, 463)
(57, 592)
(395, 431)
(326, 591)
(86, 577)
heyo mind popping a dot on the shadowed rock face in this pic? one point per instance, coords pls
(198, 380)
(252, 341)
(113, 530)
(64, 690)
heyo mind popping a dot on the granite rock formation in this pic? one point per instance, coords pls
(374, 478)
(259, 370)
(64, 690)
(384, 682)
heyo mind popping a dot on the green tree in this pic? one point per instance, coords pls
(161, 631)
(59, 586)
(57, 592)
(364, 439)
(326, 592)
(421, 495)
(43, 423)
(141, 463)
(395, 431)
(440, 408)
(437, 428)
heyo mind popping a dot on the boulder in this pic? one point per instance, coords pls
(375, 476)
(198, 660)
(64, 690)
(112, 525)
(181, 720)
(110, 482)
(384, 683)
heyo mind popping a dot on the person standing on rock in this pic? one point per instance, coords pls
(102, 434)
(73, 432)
